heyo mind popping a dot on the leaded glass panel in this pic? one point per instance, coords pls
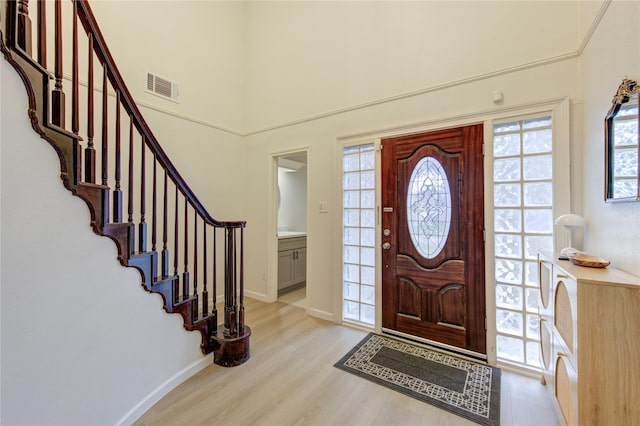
(428, 207)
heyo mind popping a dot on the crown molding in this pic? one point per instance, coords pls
(594, 25)
(376, 102)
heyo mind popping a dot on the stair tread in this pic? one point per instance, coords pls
(141, 254)
(93, 185)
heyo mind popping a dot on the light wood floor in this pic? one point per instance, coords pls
(290, 380)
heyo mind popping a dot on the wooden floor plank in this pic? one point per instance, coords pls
(290, 380)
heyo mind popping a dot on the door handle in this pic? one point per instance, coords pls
(386, 246)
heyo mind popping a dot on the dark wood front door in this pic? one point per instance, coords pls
(433, 278)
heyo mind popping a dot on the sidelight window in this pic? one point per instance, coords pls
(523, 225)
(358, 234)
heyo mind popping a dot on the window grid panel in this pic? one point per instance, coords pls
(523, 225)
(358, 238)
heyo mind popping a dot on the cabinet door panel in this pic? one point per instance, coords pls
(300, 266)
(285, 269)
(566, 392)
(546, 288)
(565, 311)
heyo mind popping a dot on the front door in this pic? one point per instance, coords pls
(433, 278)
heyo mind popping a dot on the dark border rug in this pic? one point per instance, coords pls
(466, 388)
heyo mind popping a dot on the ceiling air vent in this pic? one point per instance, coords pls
(163, 87)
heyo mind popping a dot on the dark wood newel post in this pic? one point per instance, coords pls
(241, 284)
(230, 308)
(231, 343)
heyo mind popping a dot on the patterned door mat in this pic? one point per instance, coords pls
(466, 388)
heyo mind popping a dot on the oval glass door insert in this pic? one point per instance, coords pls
(429, 207)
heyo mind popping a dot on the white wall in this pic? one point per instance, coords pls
(554, 81)
(613, 53)
(309, 58)
(82, 342)
(292, 212)
(199, 44)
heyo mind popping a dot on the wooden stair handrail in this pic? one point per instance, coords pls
(104, 55)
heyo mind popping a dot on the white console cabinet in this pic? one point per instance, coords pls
(590, 342)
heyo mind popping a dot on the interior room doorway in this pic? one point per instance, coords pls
(291, 213)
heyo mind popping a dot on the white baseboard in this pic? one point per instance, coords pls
(257, 296)
(166, 387)
(317, 313)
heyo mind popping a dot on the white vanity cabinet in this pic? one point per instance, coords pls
(590, 342)
(292, 262)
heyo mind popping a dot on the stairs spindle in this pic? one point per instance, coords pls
(205, 293)
(24, 26)
(195, 264)
(230, 285)
(57, 96)
(105, 146)
(89, 152)
(185, 274)
(117, 193)
(176, 288)
(105, 130)
(154, 205)
(42, 33)
(131, 176)
(214, 286)
(241, 284)
(75, 78)
(143, 198)
(165, 226)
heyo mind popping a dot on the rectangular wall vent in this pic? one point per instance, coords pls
(163, 87)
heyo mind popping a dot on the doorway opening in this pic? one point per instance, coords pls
(292, 228)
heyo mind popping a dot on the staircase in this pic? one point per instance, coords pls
(113, 162)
